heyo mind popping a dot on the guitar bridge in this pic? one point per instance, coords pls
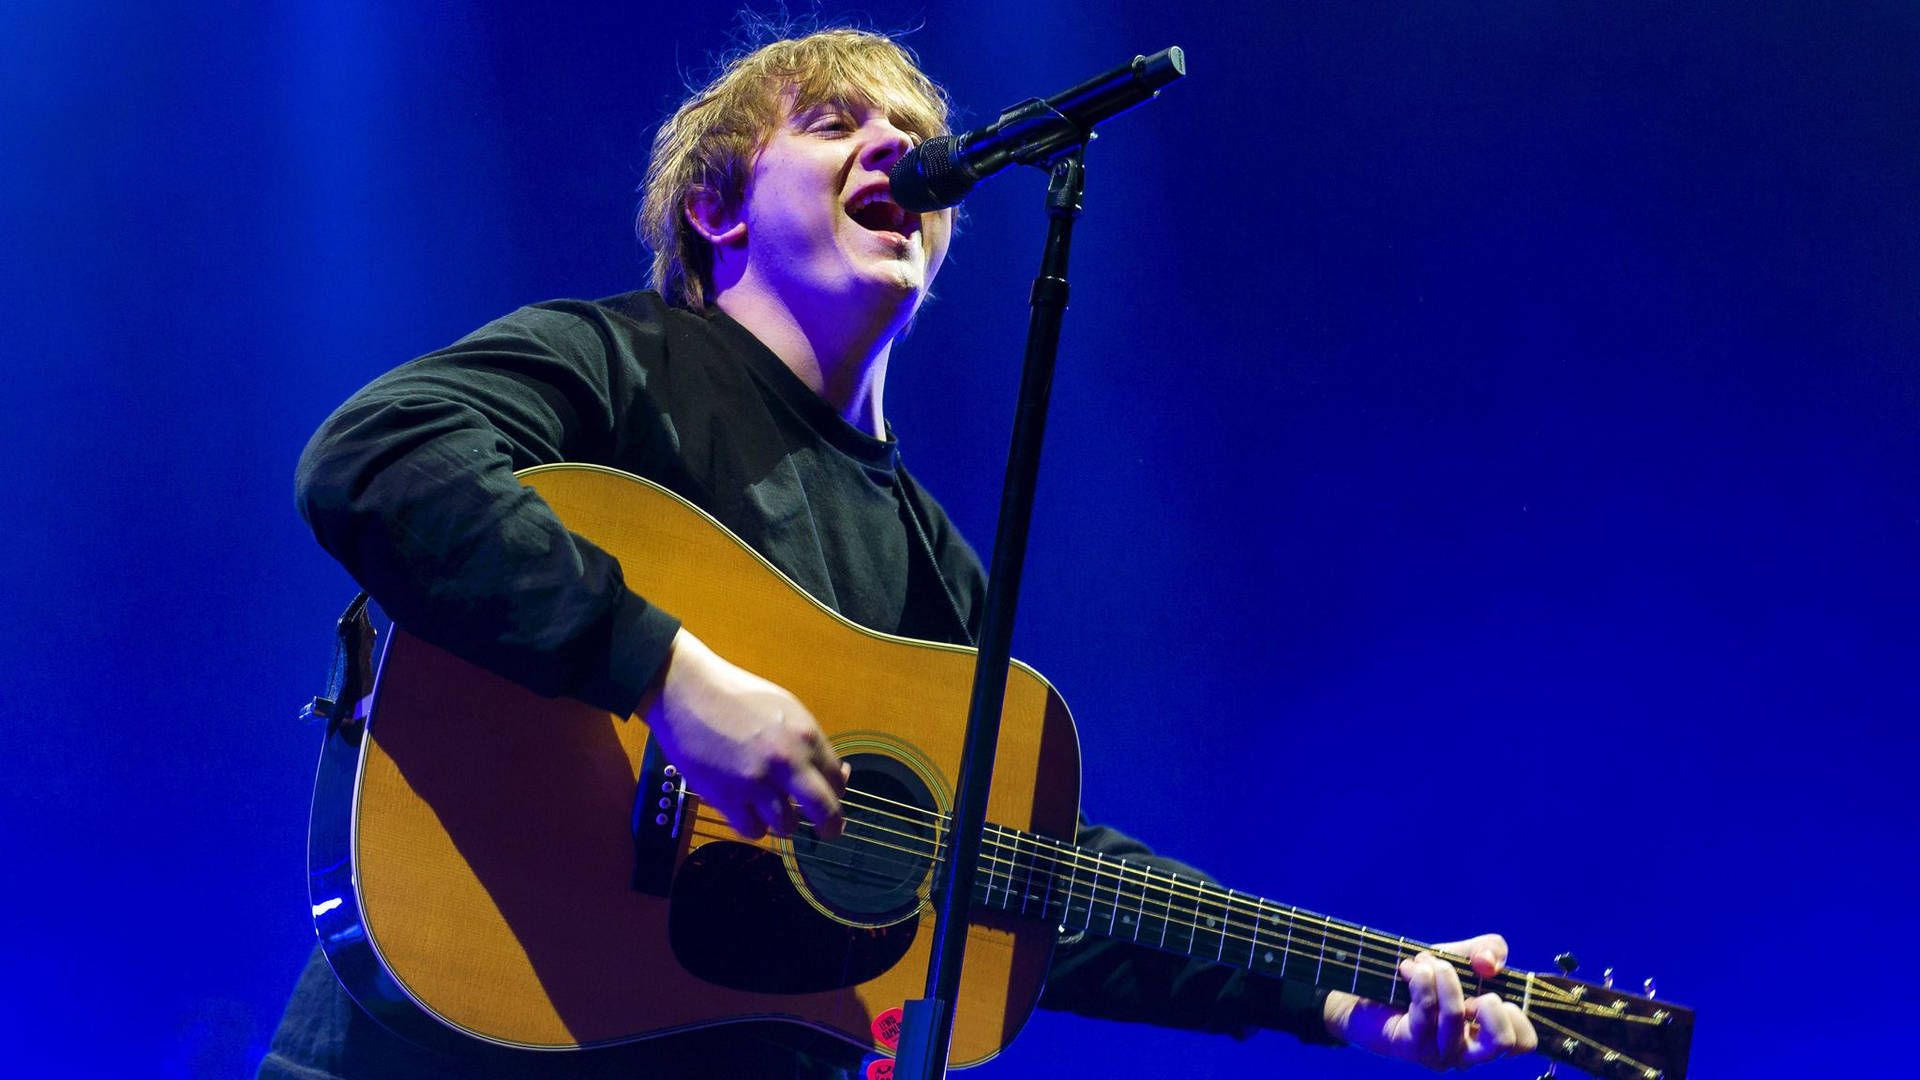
(659, 800)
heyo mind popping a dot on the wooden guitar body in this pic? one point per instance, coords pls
(490, 864)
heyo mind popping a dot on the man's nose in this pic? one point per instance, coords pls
(888, 143)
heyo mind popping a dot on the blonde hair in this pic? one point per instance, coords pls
(710, 141)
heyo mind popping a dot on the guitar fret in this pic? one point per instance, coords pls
(1072, 886)
(989, 867)
(1097, 882)
(1253, 947)
(1003, 870)
(1140, 909)
(1008, 894)
(993, 856)
(1026, 883)
(1026, 859)
(1263, 956)
(1185, 929)
(1248, 942)
(1066, 908)
(1341, 958)
(1197, 919)
(1213, 920)
(1147, 903)
(1139, 880)
(1221, 953)
(1002, 865)
(983, 876)
(1393, 978)
(1166, 912)
(1324, 927)
(1113, 911)
(1286, 950)
(1052, 876)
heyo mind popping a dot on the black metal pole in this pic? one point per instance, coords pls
(927, 1024)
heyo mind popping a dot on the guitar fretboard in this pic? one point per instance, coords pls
(1043, 878)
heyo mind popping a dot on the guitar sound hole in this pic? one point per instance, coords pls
(873, 871)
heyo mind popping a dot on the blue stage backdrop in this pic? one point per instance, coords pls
(1481, 493)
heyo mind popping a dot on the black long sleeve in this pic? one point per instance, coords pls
(410, 485)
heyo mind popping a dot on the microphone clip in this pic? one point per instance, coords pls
(1037, 133)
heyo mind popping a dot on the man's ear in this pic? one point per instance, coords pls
(716, 222)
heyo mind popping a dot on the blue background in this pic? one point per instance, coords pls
(1481, 492)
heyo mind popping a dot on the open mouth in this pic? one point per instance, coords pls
(875, 211)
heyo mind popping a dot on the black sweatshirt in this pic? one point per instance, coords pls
(411, 485)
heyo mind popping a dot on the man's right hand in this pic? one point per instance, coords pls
(747, 747)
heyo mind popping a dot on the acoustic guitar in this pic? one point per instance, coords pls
(490, 865)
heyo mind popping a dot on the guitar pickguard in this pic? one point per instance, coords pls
(737, 922)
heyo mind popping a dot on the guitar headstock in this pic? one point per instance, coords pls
(1606, 1032)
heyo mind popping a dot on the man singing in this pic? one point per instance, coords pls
(750, 381)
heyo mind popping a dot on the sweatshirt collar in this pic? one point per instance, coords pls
(811, 408)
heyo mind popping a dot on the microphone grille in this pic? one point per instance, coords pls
(927, 177)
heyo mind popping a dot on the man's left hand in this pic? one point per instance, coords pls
(1441, 1028)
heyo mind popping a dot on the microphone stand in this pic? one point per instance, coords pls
(927, 1024)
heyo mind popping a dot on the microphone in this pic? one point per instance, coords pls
(941, 171)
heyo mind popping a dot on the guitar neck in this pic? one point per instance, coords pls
(1129, 900)
(1603, 1031)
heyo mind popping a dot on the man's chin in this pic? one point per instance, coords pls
(895, 282)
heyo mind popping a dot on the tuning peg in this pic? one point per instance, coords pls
(1606, 978)
(1568, 963)
(1649, 985)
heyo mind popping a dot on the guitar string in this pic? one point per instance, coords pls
(1542, 1001)
(1221, 901)
(1332, 931)
(1196, 890)
(1307, 955)
(1349, 934)
(1063, 899)
(1362, 964)
(1632, 1063)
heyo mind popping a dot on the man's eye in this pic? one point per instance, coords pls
(831, 123)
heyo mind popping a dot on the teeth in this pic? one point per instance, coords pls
(897, 218)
